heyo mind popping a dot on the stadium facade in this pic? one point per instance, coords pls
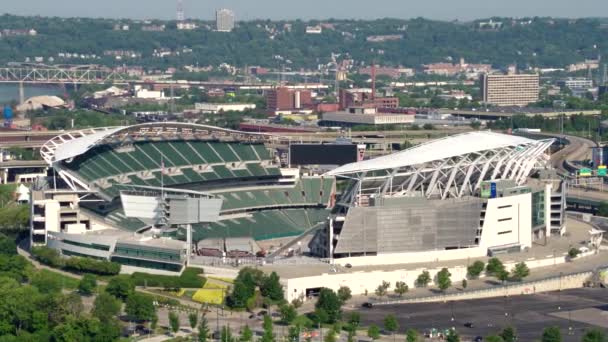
(462, 196)
(127, 194)
(81, 211)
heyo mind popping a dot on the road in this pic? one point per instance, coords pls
(529, 315)
(578, 149)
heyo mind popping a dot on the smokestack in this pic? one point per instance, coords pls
(374, 81)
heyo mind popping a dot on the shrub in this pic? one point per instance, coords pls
(47, 256)
(90, 265)
(188, 279)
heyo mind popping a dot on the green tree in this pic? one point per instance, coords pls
(154, 323)
(244, 286)
(603, 209)
(443, 279)
(494, 338)
(106, 306)
(464, 284)
(381, 291)
(373, 332)
(423, 279)
(140, 307)
(411, 335)
(391, 324)
(508, 334)
(226, 334)
(120, 287)
(271, 287)
(247, 335)
(288, 313)
(344, 293)
(573, 252)
(268, 335)
(594, 335)
(452, 336)
(329, 302)
(203, 330)
(193, 319)
(7, 245)
(502, 275)
(47, 282)
(173, 321)
(520, 271)
(330, 336)
(87, 284)
(551, 334)
(494, 267)
(401, 288)
(475, 269)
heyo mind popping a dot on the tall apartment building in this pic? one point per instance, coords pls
(282, 98)
(224, 20)
(510, 90)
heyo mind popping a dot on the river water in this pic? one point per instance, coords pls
(10, 92)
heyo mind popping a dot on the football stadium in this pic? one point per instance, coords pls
(160, 195)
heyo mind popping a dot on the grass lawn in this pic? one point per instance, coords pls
(210, 294)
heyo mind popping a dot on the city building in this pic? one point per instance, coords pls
(365, 97)
(463, 196)
(510, 90)
(186, 26)
(286, 99)
(224, 20)
(314, 29)
(215, 108)
(357, 116)
(390, 72)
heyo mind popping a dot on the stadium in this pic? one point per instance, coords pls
(85, 214)
(161, 195)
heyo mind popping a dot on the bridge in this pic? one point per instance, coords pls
(81, 75)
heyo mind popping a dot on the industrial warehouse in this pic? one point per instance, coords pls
(161, 196)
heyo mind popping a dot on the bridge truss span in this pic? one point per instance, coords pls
(57, 75)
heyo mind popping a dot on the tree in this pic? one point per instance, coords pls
(443, 279)
(452, 336)
(508, 334)
(87, 284)
(344, 293)
(268, 335)
(475, 269)
(391, 324)
(380, 291)
(493, 338)
(226, 334)
(246, 334)
(594, 335)
(244, 286)
(603, 209)
(106, 306)
(520, 271)
(203, 330)
(120, 287)
(423, 279)
(411, 335)
(551, 334)
(288, 313)
(464, 284)
(271, 287)
(330, 336)
(428, 126)
(46, 282)
(330, 303)
(354, 319)
(502, 275)
(401, 288)
(154, 322)
(373, 332)
(173, 321)
(193, 319)
(140, 307)
(494, 267)
(573, 252)
(7, 246)
(475, 124)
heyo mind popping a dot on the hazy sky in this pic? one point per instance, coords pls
(307, 9)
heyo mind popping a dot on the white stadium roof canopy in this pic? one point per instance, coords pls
(439, 149)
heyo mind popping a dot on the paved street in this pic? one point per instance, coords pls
(528, 314)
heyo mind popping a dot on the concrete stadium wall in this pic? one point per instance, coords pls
(360, 282)
(526, 288)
